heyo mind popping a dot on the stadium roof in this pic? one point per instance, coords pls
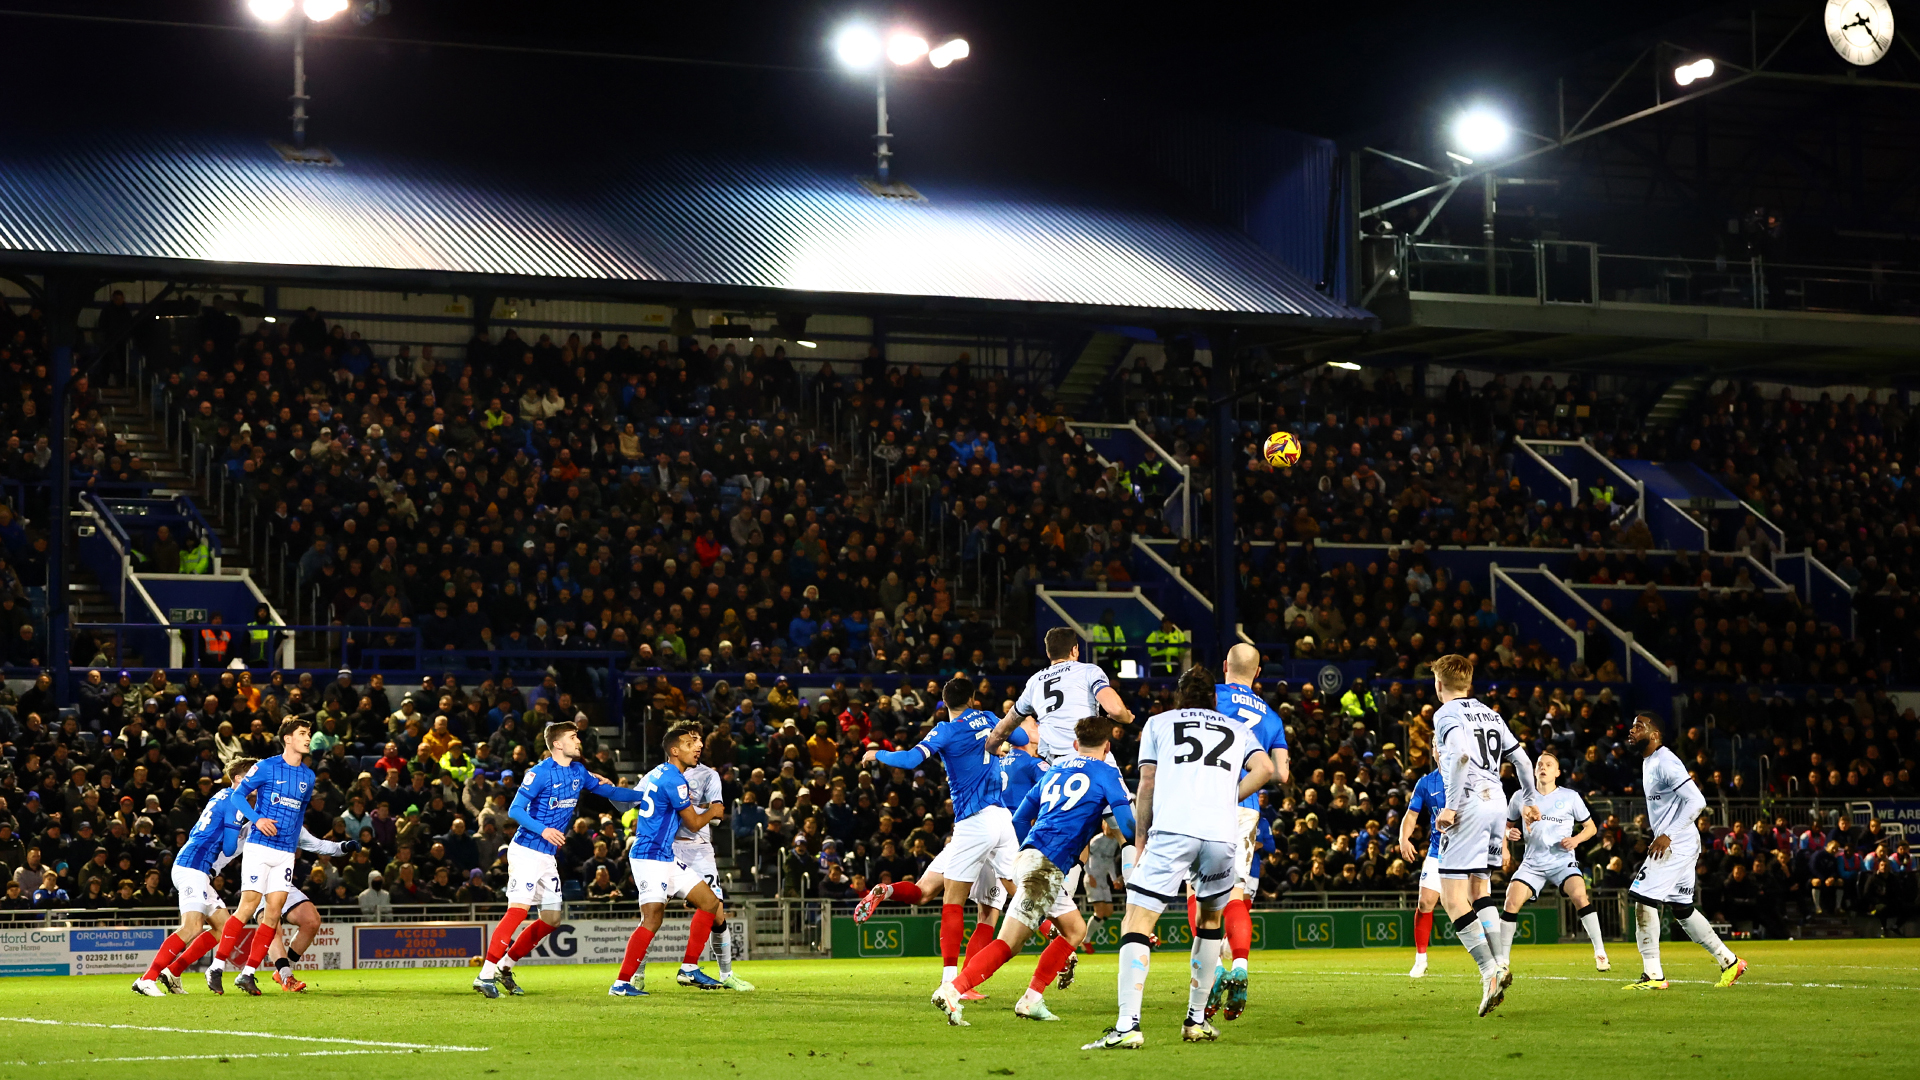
(665, 228)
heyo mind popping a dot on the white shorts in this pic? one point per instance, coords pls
(1430, 873)
(982, 846)
(196, 891)
(697, 856)
(1538, 878)
(265, 870)
(1473, 845)
(294, 899)
(1245, 848)
(659, 882)
(1040, 889)
(1172, 860)
(533, 879)
(987, 890)
(1668, 879)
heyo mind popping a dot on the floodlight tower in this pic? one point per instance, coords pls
(312, 11)
(860, 49)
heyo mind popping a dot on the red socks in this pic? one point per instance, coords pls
(1422, 930)
(1051, 961)
(1193, 913)
(908, 892)
(230, 936)
(953, 926)
(982, 933)
(529, 937)
(164, 956)
(262, 938)
(636, 952)
(1239, 920)
(983, 962)
(502, 938)
(697, 934)
(207, 940)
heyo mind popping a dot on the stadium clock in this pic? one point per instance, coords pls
(1861, 30)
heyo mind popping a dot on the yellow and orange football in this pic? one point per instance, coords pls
(1282, 449)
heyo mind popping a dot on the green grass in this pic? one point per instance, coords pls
(1804, 1007)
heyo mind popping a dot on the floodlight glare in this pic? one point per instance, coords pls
(957, 49)
(269, 10)
(904, 49)
(857, 47)
(1688, 74)
(808, 344)
(1480, 132)
(1343, 365)
(322, 10)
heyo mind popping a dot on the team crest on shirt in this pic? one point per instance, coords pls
(683, 791)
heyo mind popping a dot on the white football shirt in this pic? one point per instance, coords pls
(1197, 756)
(703, 786)
(1562, 813)
(1464, 728)
(1673, 799)
(1060, 696)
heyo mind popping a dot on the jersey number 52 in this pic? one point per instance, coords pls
(1192, 749)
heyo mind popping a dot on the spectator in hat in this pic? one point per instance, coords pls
(375, 903)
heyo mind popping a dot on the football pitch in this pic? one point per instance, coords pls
(1804, 1006)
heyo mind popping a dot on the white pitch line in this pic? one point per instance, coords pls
(243, 1034)
(1580, 978)
(218, 1057)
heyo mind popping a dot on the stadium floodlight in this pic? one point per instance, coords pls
(1344, 365)
(317, 11)
(1481, 132)
(945, 54)
(1688, 74)
(857, 47)
(322, 10)
(269, 10)
(807, 344)
(904, 49)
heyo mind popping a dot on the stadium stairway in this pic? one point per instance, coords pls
(1103, 351)
(173, 476)
(1676, 400)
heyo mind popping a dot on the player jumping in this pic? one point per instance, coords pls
(693, 849)
(281, 787)
(666, 806)
(983, 842)
(1470, 741)
(1236, 698)
(1058, 816)
(1549, 858)
(542, 808)
(1674, 803)
(1188, 820)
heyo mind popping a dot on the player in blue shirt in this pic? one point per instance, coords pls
(280, 788)
(545, 805)
(1057, 819)
(1237, 698)
(983, 839)
(214, 835)
(666, 802)
(1428, 799)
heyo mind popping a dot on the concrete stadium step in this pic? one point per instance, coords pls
(1676, 400)
(1092, 369)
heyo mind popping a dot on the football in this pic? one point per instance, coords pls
(1282, 449)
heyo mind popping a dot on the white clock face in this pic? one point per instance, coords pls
(1861, 30)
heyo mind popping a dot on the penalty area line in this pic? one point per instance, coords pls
(222, 1057)
(1574, 978)
(407, 1046)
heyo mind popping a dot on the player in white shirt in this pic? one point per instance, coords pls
(1059, 695)
(1187, 811)
(1548, 860)
(1674, 803)
(1470, 741)
(693, 849)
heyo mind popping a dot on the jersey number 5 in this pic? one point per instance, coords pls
(1191, 748)
(645, 809)
(1050, 691)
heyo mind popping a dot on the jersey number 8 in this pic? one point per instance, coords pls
(1191, 748)
(1074, 788)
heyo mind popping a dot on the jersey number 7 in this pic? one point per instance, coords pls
(1191, 748)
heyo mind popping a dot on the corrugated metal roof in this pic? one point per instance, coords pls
(634, 225)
